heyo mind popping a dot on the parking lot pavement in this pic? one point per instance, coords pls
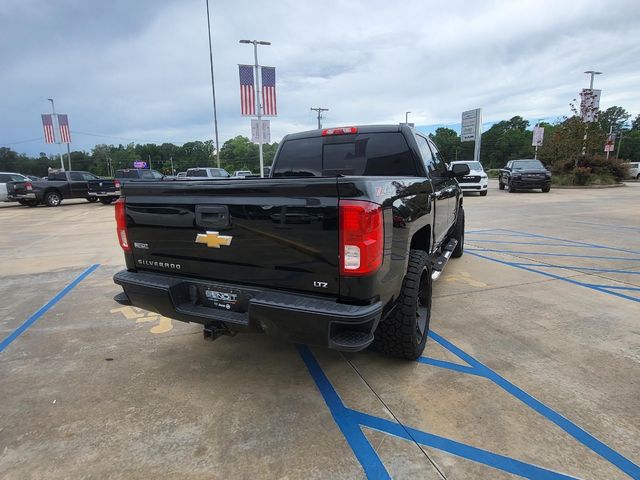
(532, 368)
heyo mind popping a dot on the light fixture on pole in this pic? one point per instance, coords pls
(213, 89)
(54, 119)
(319, 110)
(255, 44)
(406, 117)
(592, 73)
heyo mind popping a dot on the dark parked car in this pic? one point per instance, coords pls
(524, 174)
(339, 247)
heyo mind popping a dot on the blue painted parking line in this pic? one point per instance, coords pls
(571, 428)
(362, 449)
(575, 242)
(45, 308)
(351, 422)
(448, 365)
(548, 254)
(478, 455)
(576, 267)
(554, 276)
(637, 229)
(511, 242)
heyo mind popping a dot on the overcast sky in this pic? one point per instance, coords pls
(139, 70)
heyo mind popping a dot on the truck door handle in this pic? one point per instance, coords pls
(212, 216)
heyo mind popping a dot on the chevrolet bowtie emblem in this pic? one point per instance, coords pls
(213, 240)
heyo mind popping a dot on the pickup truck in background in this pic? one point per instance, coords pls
(206, 172)
(58, 186)
(524, 174)
(107, 190)
(338, 247)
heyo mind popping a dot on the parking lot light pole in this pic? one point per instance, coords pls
(258, 96)
(213, 89)
(406, 117)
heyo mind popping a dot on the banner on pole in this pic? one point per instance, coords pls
(269, 107)
(266, 131)
(589, 104)
(610, 143)
(538, 136)
(247, 90)
(63, 124)
(47, 125)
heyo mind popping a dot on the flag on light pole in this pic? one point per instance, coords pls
(269, 91)
(65, 133)
(47, 125)
(247, 90)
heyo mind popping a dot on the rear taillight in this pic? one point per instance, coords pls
(361, 237)
(116, 184)
(28, 185)
(121, 225)
(339, 131)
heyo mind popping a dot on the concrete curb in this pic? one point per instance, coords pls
(587, 187)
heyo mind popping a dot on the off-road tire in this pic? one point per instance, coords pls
(512, 189)
(458, 234)
(546, 189)
(92, 199)
(398, 334)
(500, 185)
(484, 193)
(52, 199)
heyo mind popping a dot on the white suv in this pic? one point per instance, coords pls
(476, 181)
(634, 170)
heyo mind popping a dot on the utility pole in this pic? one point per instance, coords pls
(258, 97)
(619, 143)
(319, 110)
(213, 89)
(173, 172)
(54, 119)
(406, 117)
(608, 137)
(149, 161)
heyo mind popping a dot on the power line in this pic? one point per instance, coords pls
(22, 141)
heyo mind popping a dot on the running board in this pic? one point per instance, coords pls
(441, 261)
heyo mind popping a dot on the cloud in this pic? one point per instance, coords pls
(139, 70)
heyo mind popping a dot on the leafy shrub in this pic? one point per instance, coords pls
(581, 175)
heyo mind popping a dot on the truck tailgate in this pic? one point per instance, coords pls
(276, 233)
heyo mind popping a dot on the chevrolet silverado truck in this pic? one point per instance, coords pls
(338, 247)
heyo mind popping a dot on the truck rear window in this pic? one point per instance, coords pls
(366, 154)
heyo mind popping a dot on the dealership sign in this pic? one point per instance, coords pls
(139, 164)
(471, 121)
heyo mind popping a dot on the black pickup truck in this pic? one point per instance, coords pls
(524, 174)
(58, 186)
(338, 247)
(107, 190)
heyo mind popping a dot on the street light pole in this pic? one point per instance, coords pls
(258, 97)
(54, 118)
(319, 110)
(591, 73)
(213, 89)
(406, 117)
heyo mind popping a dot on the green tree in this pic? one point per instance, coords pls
(506, 140)
(613, 117)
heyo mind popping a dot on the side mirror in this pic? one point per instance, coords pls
(459, 170)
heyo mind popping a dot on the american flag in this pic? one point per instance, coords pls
(49, 132)
(63, 124)
(247, 90)
(269, 91)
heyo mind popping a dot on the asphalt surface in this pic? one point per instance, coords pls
(532, 369)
